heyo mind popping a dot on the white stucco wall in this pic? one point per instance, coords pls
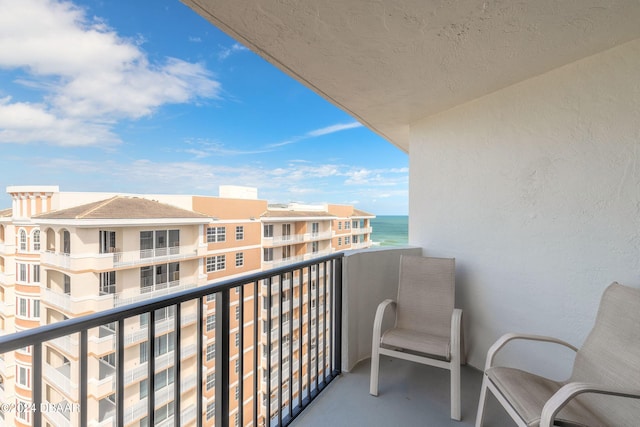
(535, 190)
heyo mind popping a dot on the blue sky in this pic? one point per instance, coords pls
(148, 97)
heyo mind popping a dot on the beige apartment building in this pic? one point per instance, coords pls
(65, 254)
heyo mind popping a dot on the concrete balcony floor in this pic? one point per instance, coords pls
(410, 394)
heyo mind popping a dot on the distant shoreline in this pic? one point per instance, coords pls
(390, 230)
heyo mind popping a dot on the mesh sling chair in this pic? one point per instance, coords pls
(427, 326)
(607, 364)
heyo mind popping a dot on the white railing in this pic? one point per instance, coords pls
(143, 293)
(363, 230)
(110, 260)
(7, 279)
(59, 380)
(161, 362)
(296, 238)
(162, 326)
(58, 419)
(68, 303)
(152, 256)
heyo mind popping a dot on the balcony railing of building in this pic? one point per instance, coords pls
(314, 352)
(111, 260)
(363, 230)
(296, 238)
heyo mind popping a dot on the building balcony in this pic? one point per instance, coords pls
(363, 230)
(7, 249)
(7, 278)
(296, 238)
(114, 260)
(306, 369)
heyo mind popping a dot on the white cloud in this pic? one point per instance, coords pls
(90, 77)
(225, 52)
(333, 129)
(319, 132)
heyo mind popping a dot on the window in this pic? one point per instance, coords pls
(314, 247)
(164, 344)
(144, 352)
(216, 234)
(66, 242)
(211, 380)
(36, 274)
(211, 322)
(347, 225)
(239, 259)
(22, 272)
(286, 252)
(156, 242)
(268, 230)
(237, 345)
(268, 254)
(339, 225)
(355, 239)
(35, 240)
(315, 228)
(240, 232)
(67, 284)
(108, 283)
(22, 376)
(108, 241)
(355, 224)
(237, 312)
(339, 241)
(211, 297)
(347, 240)
(22, 307)
(237, 367)
(286, 231)
(164, 412)
(23, 240)
(164, 378)
(211, 410)
(36, 308)
(144, 388)
(216, 263)
(211, 351)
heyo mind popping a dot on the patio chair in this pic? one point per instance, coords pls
(427, 327)
(607, 364)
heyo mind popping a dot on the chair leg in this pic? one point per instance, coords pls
(482, 402)
(375, 368)
(455, 389)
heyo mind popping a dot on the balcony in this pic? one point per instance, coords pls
(78, 384)
(110, 261)
(410, 394)
(296, 238)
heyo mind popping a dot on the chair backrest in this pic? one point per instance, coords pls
(426, 294)
(611, 355)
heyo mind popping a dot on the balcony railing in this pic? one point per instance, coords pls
(296, 238)
(109, 261)
(287, 391)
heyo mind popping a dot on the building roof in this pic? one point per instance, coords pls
(359, 213)
(296, 214)
(4, 213)
(121, 207)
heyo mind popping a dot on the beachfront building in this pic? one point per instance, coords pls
(64, 255)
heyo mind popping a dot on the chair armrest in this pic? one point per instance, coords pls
(457, 336)
(377, 323)
(571, 390)
(503, 340)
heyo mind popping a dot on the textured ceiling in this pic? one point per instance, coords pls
(392, 62)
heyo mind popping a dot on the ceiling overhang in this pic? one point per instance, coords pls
(389, 63)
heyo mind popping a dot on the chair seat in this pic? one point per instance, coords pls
(528, 393)
(417, 341)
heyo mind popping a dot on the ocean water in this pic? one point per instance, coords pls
(390, 230)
